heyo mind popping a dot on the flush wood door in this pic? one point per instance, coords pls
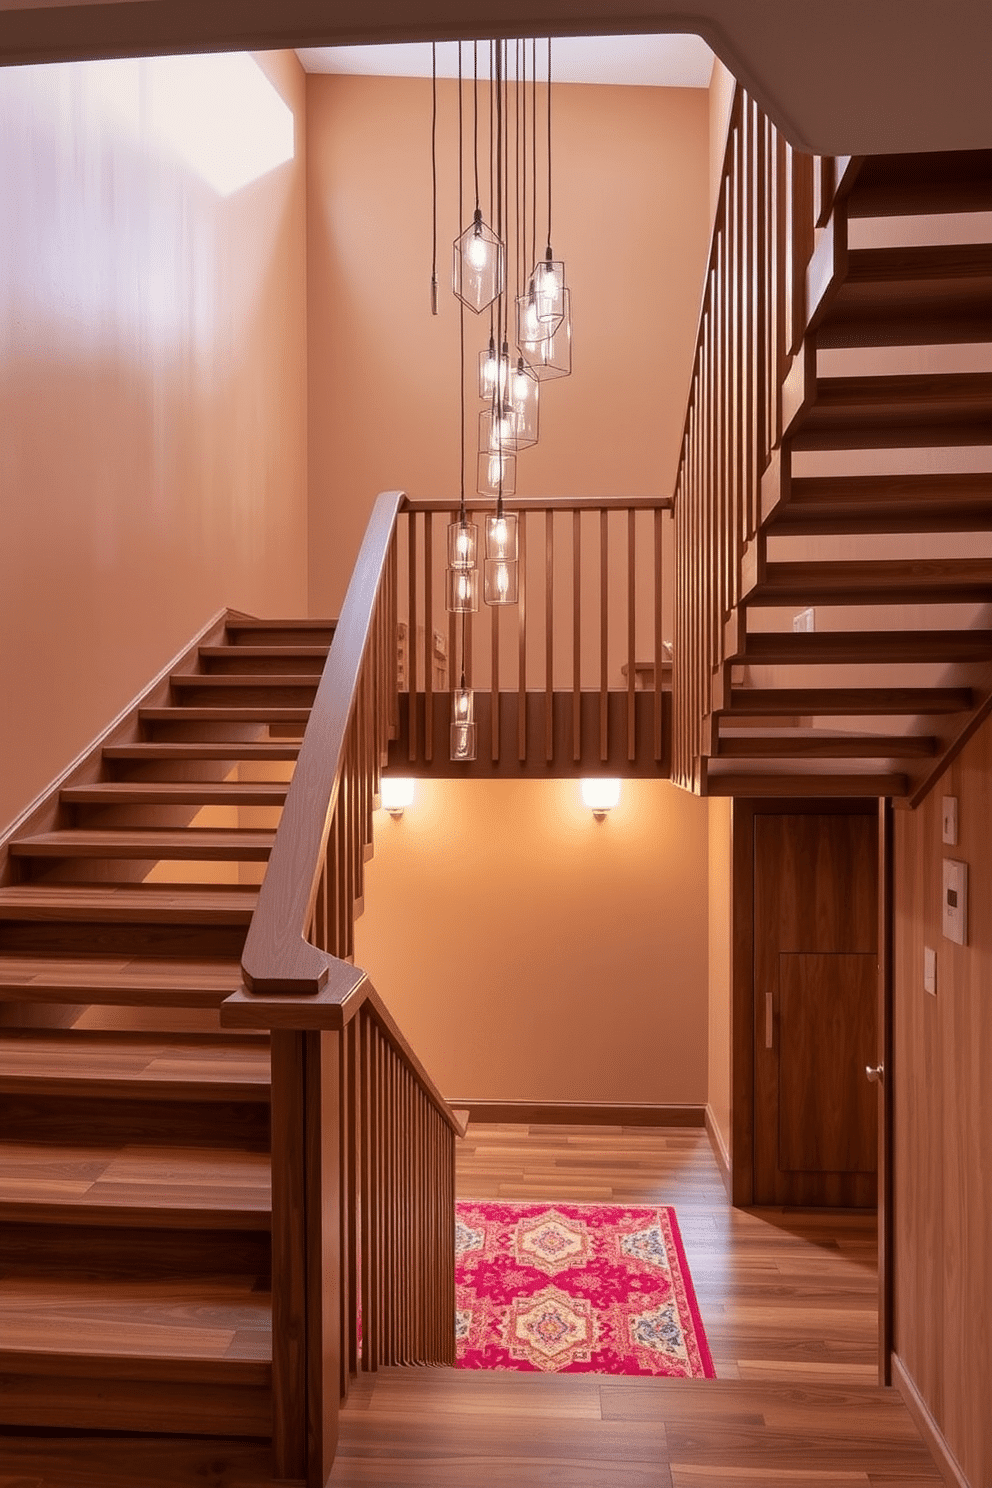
(815, 1009)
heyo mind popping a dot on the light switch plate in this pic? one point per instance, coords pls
(955, 901)
(804, 621)
(930, 970)
(949, 820)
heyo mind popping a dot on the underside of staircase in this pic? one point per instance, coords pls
(135, 1196)
(876, 505)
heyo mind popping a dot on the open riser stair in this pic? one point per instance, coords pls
(837, 460)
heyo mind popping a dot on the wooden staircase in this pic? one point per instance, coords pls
(872, 502)
(135, 1179)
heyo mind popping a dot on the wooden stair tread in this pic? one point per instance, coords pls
(120, 981)
(139, 903)
(874, 581)
(262, 653)
(247, 623)
(233, 750)
(175, 793)
(910, 409)
(193, 843)
(919, 183)
(884, 503)
(268, 713)
(187, 1187)
(244, 679)
(847, 700)
(806, 784)
(71, 1061)
(225, 1323)
(789, 648)
(817, 744)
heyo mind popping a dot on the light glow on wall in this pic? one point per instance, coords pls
(218, 113)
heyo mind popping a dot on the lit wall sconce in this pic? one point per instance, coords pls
(396, 792)
(600, 795)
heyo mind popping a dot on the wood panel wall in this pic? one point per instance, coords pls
(942, 1088)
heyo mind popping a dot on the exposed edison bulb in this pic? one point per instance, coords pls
(462, 544)
(497, 470)
(478, 251)
(533, 329)
(548, 288)
(521, 386)
(502, 579)
(463, 588)
(462, 708)
(490, 368)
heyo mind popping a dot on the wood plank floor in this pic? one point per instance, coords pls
(789, 1305)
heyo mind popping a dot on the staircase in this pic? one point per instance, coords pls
(135, 1182)
(873, 504)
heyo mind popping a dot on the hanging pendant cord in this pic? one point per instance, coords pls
(461, 307)
(533, 144)
(475, 117)
(433, 178)
(549, 142)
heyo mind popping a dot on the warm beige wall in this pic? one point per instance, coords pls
(631, 221)
(721, 100)
(152, 408)
(719, 962)
(532, 953)
(943, 1116)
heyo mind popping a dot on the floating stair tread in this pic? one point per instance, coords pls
(178, 1322)
(815, 744)
(917, 409)
(269, 713)
(175, 793)
(245, 679)
(119, 981)
(788, 648)
(893, 266)
(885, 503)
(77, 1061)
(137, 903)
(953, 486)
(262, 653)
(193, 843)
(916, 183)
(248, 623)
(188, 1187)
(808, 784)
(882, 581)
(233, 750)
(848, 700)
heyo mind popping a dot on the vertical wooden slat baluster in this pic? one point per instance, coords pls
(367, 1237)
(378, 1318)
(659, 649)
(631, 635)
(549, 637)
(576, 635)
(429, 636)
(411, 637)
(604, 633)
(494, 616)
(522, 639)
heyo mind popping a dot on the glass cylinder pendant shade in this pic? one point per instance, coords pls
(548, 280)
(477, 268)
(497, 473)
(499, 427)
(462, 724)
(524, 397)
(551, 356)
(461, 591)
(494, 371)
(501, 537)
(501, 581)
(463, 544)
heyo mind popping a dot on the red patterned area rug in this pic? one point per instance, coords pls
(576, 1288)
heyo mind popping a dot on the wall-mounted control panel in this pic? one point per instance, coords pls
(954, 912)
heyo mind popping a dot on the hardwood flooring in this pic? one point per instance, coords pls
(789, 1305)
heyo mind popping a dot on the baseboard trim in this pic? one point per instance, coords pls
(595, 1113)
(928, 1428)
(719, 1150)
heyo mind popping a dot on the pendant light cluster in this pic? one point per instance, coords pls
(534, 310)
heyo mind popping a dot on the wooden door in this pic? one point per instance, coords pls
(815, 1003)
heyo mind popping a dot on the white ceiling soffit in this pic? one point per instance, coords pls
(635, 61)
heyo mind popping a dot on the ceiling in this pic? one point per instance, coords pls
(662, 61)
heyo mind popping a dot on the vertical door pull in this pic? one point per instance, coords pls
(769, 1021)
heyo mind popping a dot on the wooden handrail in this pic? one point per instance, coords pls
(541, 503)
(278, 957)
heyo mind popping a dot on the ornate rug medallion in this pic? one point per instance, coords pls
(597, 1288)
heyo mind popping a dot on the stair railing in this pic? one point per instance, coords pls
(751, 326)
(573, 677)
(362, 1140)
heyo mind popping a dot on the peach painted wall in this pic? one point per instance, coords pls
(532, 953)
(632, 222)
(152, 402)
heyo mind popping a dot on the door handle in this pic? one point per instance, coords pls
(769, 1020)
(875, 1073)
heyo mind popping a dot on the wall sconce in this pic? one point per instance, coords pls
(600, 795)
(396, 792)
